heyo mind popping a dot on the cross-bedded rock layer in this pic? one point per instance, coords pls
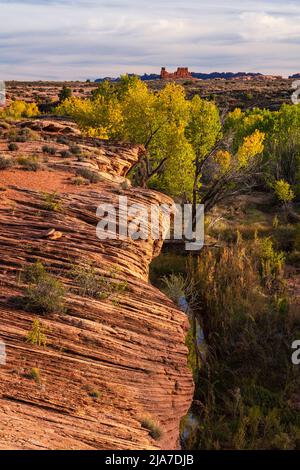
(129, 349)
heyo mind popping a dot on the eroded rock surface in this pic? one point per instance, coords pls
(130, 348)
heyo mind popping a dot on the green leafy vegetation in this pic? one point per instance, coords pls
(52, 202)
(29, 163)
(44, 293)
(92, 284)
(5, 163)
(36, 335)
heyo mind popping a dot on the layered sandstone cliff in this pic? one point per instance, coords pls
(130, 348)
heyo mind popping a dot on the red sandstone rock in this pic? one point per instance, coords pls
(131, 351)
(181, 73)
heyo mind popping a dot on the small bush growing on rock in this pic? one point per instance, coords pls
(86, 277)
(33, 272)
(61, 139)
(34, 374)
(29, 163)
(82, 158)
(5, 163)
(79, 181)
(29, 134)
(65, 154)
(45, 293)
(51, 202)
(75, 149)
(92, 284)
(37, 335)
(20, 138)
(94, 394)
(152, 426)
(49, 150)
(89, 175)
(119, 287)
(46, 296)
(12, 147)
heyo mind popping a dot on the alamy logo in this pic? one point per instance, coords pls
(2, 353)
(296, 353)
(159, 221)
(296, 94)
(2, 93)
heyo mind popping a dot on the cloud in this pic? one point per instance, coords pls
(265, 27)
(64, 39)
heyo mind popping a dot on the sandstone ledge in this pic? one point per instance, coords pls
(132, 350)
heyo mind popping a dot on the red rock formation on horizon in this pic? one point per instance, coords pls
(181, 72)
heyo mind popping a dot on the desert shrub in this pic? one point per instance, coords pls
(61, 139)
(249, 96)
(36, 335)
(45, 293)
(31, 273)
(28, 134)
(79, 181)
(34, 374)
(89, 175)
(75, 149)
(174, 287)
(271, 263)
(65, 154)
(5, 163)
(90, 283)
(49, 150)
(20, 138)
(12, 147)
(51, 202)
(29, 163)
(12, 135)
(94, 393)
(152, 426)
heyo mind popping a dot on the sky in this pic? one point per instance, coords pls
(77, 40)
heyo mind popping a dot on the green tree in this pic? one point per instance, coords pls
(65, 93)
(203, 132)
(155, 121)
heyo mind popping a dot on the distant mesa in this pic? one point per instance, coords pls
(181, 72)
